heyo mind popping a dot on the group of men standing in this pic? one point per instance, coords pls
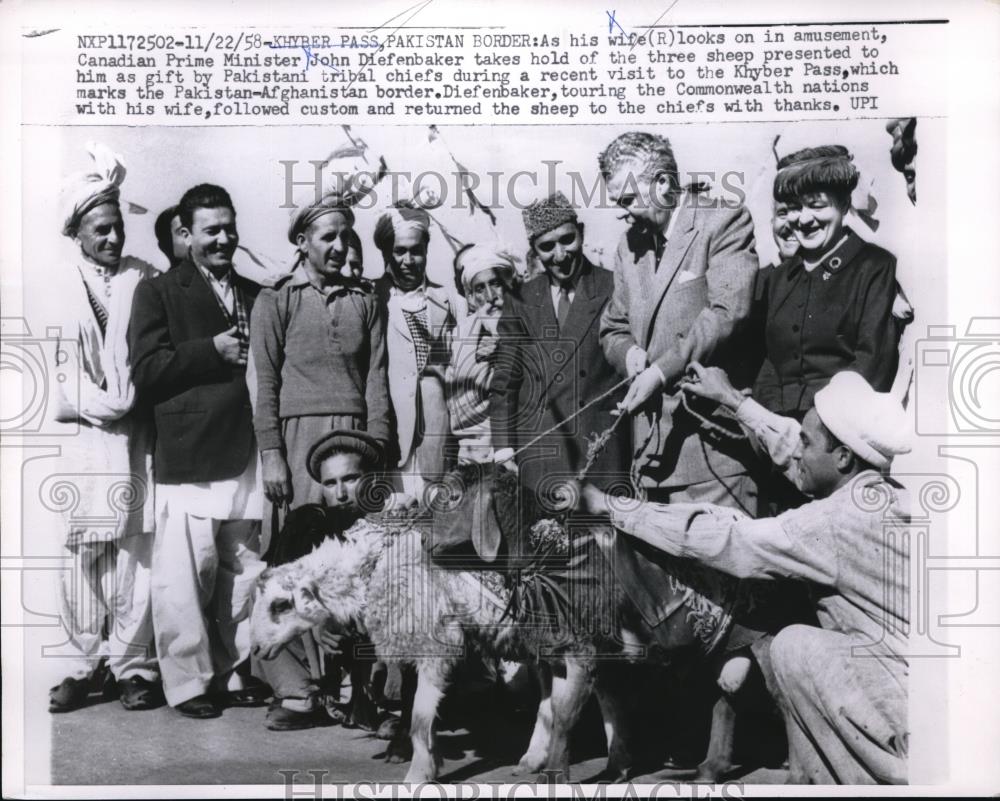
(236, 386)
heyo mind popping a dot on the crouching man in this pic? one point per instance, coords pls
(842, 687)
(339, 462)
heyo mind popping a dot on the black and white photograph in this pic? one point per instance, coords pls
(515, 400)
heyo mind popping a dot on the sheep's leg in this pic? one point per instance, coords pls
(719, 760)
(538, 748)
(364, 712)
(616, 731)
(430, 690)
(569, 694)
(400, 748)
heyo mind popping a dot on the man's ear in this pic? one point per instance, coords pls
(845, 458)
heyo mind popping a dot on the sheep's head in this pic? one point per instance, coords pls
(285, 606)
(325, 587)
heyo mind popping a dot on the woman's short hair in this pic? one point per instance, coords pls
(828, 169)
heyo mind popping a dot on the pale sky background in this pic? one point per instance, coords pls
(164, 161)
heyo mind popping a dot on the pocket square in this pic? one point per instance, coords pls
(686, 275)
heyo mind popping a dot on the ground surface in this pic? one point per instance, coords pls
(104, 744)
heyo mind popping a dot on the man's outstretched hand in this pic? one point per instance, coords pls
(712, 383)
(647, 384)
(593, 501)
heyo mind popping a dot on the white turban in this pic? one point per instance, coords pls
(84, 191)
(398, 221)
(870, 423)
(485, 257)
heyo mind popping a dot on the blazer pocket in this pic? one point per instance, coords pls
(689, 283)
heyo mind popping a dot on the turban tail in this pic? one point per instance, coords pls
(84, 191)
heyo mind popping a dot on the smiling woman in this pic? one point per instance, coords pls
(828, 306)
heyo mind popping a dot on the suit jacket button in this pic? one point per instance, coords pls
(583, 374)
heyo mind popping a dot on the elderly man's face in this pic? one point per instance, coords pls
(487, 291)
(177, 239)
(101, 235)
(409, 259)
(645, 197)
(212, 238)
(818, 464)
(325, 245)
(784, 237)
(560, 251)
(340, 474)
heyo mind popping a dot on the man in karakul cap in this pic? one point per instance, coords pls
(550, 362)
(842, 687)
(318, 352)
(106, 450)
(420, 321)
(339, 463)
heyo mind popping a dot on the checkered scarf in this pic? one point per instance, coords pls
(239, 316)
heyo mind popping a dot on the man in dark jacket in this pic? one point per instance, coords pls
(549, 362)
(188, 341)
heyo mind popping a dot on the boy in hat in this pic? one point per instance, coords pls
(339, 462)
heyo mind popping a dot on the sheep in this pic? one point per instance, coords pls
(381, 583)
(389, 585)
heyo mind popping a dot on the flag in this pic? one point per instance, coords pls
(434, 135)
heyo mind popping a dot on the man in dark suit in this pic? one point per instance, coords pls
(188, 341)
(549, 361)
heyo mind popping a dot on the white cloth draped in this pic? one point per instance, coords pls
(105, 448)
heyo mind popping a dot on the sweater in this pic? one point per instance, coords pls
(317, 354)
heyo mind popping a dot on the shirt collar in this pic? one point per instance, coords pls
(672, 224)
(225, 280)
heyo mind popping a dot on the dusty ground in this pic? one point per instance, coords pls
(104, 744)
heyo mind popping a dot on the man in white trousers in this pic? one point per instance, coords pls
(189, 337)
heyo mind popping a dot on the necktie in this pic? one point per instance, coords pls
(661, 246)
(562, 307)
